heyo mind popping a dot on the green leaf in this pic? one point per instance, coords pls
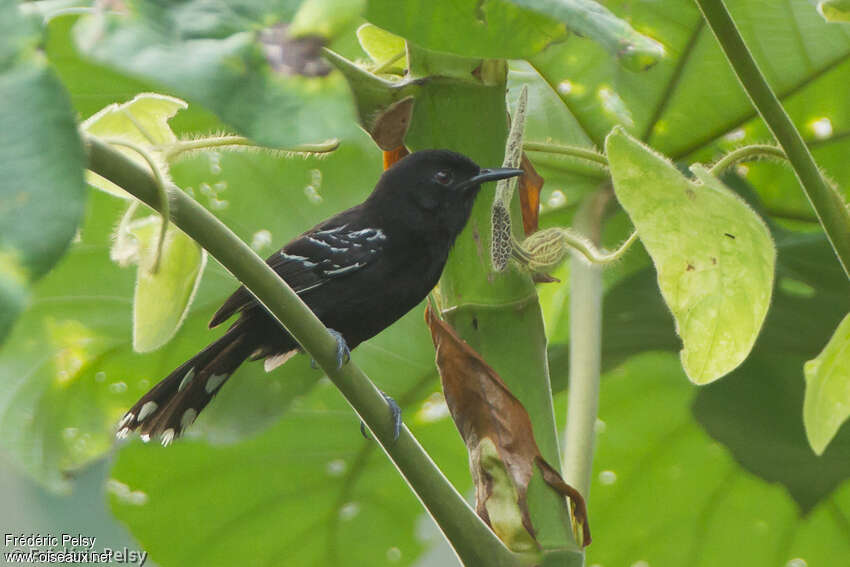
(41, 163)
(834, 10)
(670, 495)
(142, 121)
(211, 54)
(588, 18)
(382, 47)
(827, 403)
(163, 297)
(714, 256)
(325, 18)
(477, 28)
(756, 412)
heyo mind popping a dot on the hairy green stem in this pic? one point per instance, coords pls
(571, 241)
(473, 541)
(828, 204)
(585, 352)
(183, 146)
(571, 151)
(746, 153)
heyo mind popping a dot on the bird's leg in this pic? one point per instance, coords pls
(343, 354)
(395, 415)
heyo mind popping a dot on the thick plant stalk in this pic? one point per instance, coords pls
(828, 204)
(585, 353)
(473, 541)
(497, 313)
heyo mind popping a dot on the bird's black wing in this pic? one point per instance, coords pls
(312, 260)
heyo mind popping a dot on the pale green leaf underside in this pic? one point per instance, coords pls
(163, 297)
(835, 10)
(381, 46)
(713, 254)
(142, 121)
(827, 402)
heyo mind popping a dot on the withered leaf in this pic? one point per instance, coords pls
(390, 126)
(488, 415)
(530, 184)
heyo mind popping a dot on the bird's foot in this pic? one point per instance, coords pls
(395, 415)
(343, 354)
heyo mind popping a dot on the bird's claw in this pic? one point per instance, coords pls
(395, 415)
(343, 354)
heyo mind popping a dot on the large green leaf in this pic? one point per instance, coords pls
(487, 28)
(41, 164)
(691, 106)
(713, 254)
(214, 55)
(666, 494)
(756, 412)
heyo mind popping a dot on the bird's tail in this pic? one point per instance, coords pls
(173, 404)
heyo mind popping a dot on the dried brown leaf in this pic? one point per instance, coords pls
(390, 126)
(484, 409)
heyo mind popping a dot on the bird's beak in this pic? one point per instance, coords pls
(491, 175)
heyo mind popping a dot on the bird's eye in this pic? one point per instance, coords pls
(443, 177)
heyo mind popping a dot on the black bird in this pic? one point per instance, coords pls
(359, 272)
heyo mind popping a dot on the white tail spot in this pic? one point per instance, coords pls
(213, 382)
(273, 362)
(186, 379)
(188, 418)
(145, 437)
(167, 437)
(147, 409)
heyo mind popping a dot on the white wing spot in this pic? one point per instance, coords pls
(332, 230)
(145, 437)
(188, 418)
(186, 379)
(343, 270)
(128, 417)
(213, 382)
(167, 437)
(122, 433)
(147, 409)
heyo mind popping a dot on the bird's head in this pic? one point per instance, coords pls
(434, 189)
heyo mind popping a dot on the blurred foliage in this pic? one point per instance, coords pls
(684, 475)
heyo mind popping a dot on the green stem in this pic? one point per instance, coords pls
(746, 153)
(585, 353)
(473, 541)
(828, 204)
(183, 146)
(572, 151)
